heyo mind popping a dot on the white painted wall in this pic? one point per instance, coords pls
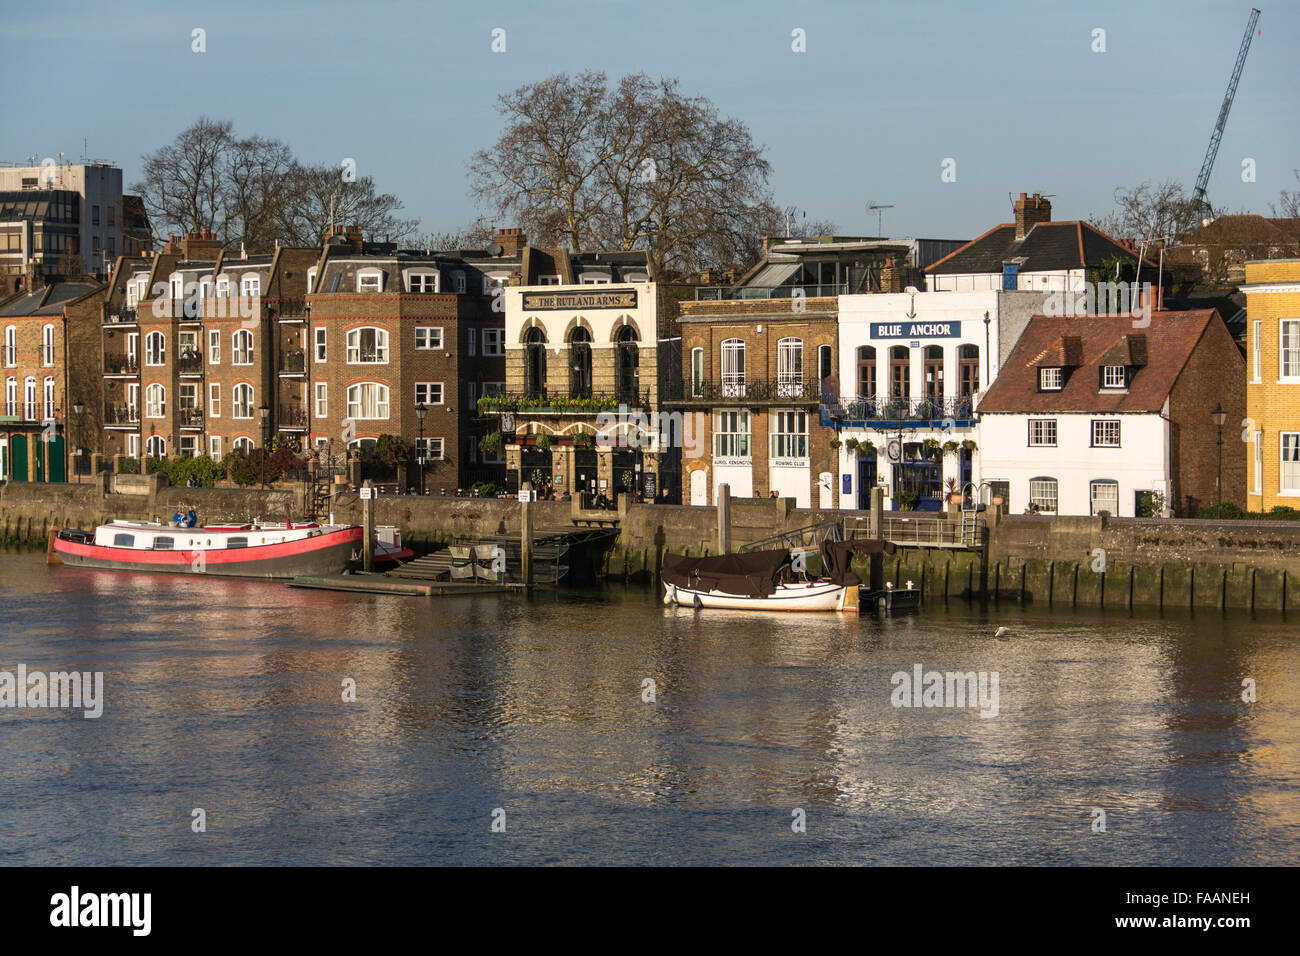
(1059, 280)
(791, 481)
(1141, 463)
(740, 477)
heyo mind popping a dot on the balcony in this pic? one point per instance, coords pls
(900, 412)
(543, 404)
(293, 363)
(121, 365)
(124, 316)
(728, 293)
(742, 391)
(190, 363)
(118, 416)
(291, 418)
(292, 310)
(191, 417)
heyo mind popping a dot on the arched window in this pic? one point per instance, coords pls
(11, 346)
(824, 367)
(241, 348)
(627, 365)
(155, 348)
(368, 400)
(155, 401)
(243, 443)
(934, 373)
(697, 373)
(367, 346)
(789, 367)
(29, 399)
(1104, 496)
(47, 345)
(535, 362)
(969, 381)
(900, 372)
(580, 363)
(1042, 495)
(867, 372)
(241, 397)
(48, 394)
(155, 446)
(733, 367)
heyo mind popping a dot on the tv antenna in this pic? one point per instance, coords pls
(879, 210)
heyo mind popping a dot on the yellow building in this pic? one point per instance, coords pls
(1272, 426)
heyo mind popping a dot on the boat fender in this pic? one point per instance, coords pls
(698, 603)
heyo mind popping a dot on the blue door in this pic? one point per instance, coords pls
(866, 479)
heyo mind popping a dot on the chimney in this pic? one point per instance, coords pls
(353, 235)
(201, 245)
(1030, 211)
(891, 277)
(510, 240)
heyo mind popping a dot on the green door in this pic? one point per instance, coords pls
(18, 455)
(38, 458)
(58, 463)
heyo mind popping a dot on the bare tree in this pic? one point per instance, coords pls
(1147, 211)
(475, 235)
(183, 184)
(1288, 203)
(316, 196)
(256, 173)
(641, 166)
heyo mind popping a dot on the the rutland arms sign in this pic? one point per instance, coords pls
(543, 301)
(915, 330)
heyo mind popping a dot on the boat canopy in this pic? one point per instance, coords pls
(751, 574)
(838, 555)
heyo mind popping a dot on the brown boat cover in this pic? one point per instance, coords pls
(751, 574)
(838, 555)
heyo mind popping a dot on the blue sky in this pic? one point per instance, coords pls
(885, 92)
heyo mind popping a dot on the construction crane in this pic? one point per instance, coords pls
(1203, 180)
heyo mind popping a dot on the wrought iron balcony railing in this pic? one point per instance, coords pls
(123, 315)
(291, 416)
(903, 411)
(563, 404)
(121, 364)
(291, 309)
(119, 414)
(742, 391)
(189, 363)
(191, 417)
(294, 362)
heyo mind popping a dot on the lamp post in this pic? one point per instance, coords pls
(263, 412)
(1219, 416)
(988, 362)
(420, 411)
(77, 409)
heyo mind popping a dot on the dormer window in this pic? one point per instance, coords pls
(1050, 379)
(422, 281)
(637, 277)
(311, 278)
(553, 279)
(595, 278)
(370, 280)
(1114, 376)
(458, 282)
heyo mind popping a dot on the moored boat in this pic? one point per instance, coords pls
(238, 550)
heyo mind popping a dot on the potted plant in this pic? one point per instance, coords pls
(950, 447)
(969, 445)
(835, 444)
(544, 441)
(852, 444)
(954, 490)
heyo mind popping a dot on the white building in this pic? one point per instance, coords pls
(100, 217)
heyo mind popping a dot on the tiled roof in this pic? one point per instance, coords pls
(1101, 340)
(1048, 247)
(47, 300)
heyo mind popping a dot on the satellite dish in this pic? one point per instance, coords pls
(496, 249)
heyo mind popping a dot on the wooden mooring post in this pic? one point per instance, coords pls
(526, 532)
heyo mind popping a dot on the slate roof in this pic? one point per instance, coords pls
(1048, 247)
(47, 300)
(1173, 337)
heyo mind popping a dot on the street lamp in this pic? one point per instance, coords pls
(988, 368)
(1219, 416)
(263, 412)
(420, 411)
(77, 409)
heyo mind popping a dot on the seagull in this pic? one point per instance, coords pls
(1003, 634)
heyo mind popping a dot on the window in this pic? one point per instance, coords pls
(155, 348)
(162, 542)
(322, 400)
(731, 435)
(241, 541)
(429, 393)
(426, 282)
(250, 285)
(368, 346)
(187, 345)
(311, 278)
(1290, 349)
(133, 445)
(1049, 379)
(187, 398)
(579, 363)
(214, 400)
(11, 397)
(428, 337)
(1114, 376)
(553, 279)
(472, 336)
(429, 449)
(595, 278)
(1042, 432)
(458, 282)
(214, 347)
(133, 349)
(494, 342)
(241, 397)
(223, 287)
(1104, 495)
(94, 215)
(48, 395)
(214, 447)
(1258, 452)
(124, 541)
(900, 372)
(789, 434)
(733, 370)
(697, 373)
(1255, 345)
(368, 400)
(627, 366)
(370, 280)
(243, 443)
(1042, 495)
(493, 284)
(189, 445)
(29, 399)
(1105, 434)
(534, 362)
(155, 401)
(824, 367)
(1290, 473)
(789, 367)
(319, 333)
(241, 348)
(11, 346)
(968, 357)
(47, 345)
(933, 357)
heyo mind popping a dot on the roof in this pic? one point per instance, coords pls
(47, 300)
(1246, 230)
(1098, 340)
(1047, 247)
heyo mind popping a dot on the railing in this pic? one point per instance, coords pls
(123, 315)
(122, 415)
(190, 363)
(121, 364)
(292, 309)
(904, 411)
(191, 417)
(294, 362)
(291, 416)
(933, 532)
(742, 392)
(721, 293)
(809, 537)
(560, 404)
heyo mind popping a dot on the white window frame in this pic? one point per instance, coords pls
(214, 400)
(422, 281)
(133, 445)
(47, 345)
(1051, 379)
(311, 278)
(214, 447)
(733, 370)
(356, 401)
(250, 407)
(353, 343)
(1288, 469)
(788, 434)
(472, 336)
(1043, 481)
(429, 388)
(11, 346)
(11, 397)
(47, 396)
(155, 446)
(552, 278)
(243, 443)
(789, 366)
(223, 286)
(248, 352)
(425, 452)
(320, 399)
(190, 441)
(730, 439)
(250, 285)
(697, 372)
(1288, 356)
(1109, 380)
(1094, 501)
(155, 357)
(370, 281)
(494, 343)
(320, 344)
(214, 346)
(1258, 456)
(1257, 351)
(1102, 427)
(429, 332)
(155, 400)
(1042, 426)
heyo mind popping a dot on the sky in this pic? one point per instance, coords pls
(883, 94)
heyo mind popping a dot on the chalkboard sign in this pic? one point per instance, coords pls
(648, 485)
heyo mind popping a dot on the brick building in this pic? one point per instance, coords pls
(1273, 384)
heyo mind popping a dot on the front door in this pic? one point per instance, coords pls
(699, 487)
(18, 467)
(57, 469)
(866, 479)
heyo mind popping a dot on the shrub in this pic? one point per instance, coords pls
(484, 489)
(129, 466)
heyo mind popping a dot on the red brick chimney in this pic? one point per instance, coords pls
(511, 240)
(1030, 211)
(891, 277)
(195, 246)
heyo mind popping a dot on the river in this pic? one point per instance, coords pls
(762, 740)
